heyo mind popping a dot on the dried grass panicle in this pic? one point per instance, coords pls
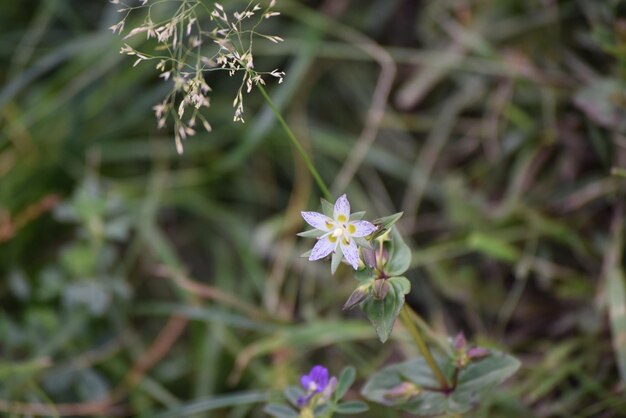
(198, 37)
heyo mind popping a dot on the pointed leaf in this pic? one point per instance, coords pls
(312, 233)
(357, 216)
(385, 223)
(352, 407)
(328, 208)
(399, 255)
(346, 379)
(280, 411)
(383, 313)
(292, 393)
(335, 260)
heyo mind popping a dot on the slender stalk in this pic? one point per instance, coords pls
(296, 144)
(405, 316)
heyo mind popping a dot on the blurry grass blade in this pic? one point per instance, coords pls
(493, 247)
(45, 64)
(10, 369)
(617, 309)
(205, 314)
(217, 402)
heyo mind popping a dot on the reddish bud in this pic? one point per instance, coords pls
(381, 288)
(460, 342)
(359, 294)
(478, 353)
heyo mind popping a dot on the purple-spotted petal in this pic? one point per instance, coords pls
(342, 209)
(322, 248)
(351, 253)
(361, 228)
(316, 220)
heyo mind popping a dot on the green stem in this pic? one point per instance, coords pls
(405, 316)
(296, 144)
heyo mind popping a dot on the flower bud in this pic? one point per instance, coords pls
(477, 353)
(403, 392)
(462, 360)
(382, 257)
(358, 296)
(460, 342)
(369, 257)
(381, 288)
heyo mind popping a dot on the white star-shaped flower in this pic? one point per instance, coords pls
(338, 232)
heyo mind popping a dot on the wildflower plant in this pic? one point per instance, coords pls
(319, 396)
(446, 382)
(197, 38)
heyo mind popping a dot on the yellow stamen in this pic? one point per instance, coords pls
(332, 238)
(351, 229)
(341, 218)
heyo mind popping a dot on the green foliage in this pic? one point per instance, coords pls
(345, 381)
(382, 313)
(382, 289)
(475, 383)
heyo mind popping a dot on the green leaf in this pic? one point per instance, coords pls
(617, 311)
(475, 383)
(362, 242)
(385, 223)
(383, 313)
(280, 411)
(346, 379)
(357, 216)
(292, 393)
(312, 233)
(328, 208)
(399, 255)
(482, 376)
(364, 275)
(335, 260)
(352, 407)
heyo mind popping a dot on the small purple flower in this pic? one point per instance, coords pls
(317, 381)
(338, 232)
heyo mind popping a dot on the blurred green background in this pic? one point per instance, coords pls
(139, 282)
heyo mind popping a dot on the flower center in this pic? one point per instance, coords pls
(337, 232)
